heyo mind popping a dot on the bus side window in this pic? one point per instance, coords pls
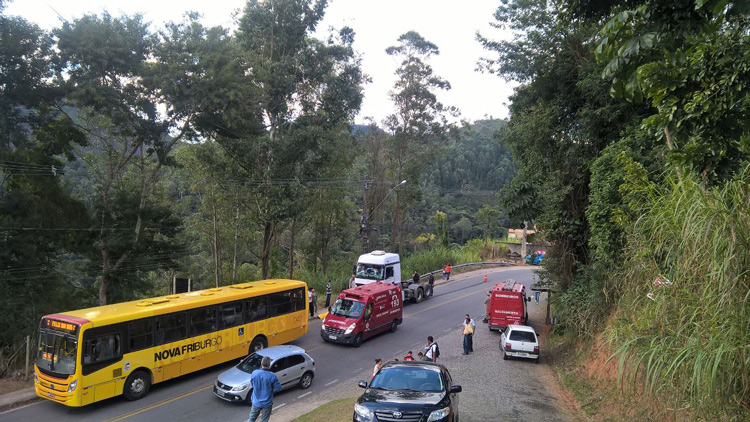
(171, 327)
(202, 321)
(256, 309)
(231, 315)
(102, 348)
(140, 334)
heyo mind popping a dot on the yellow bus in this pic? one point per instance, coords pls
(96, 353)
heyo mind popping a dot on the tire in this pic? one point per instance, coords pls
(358, 340)
(306, 381)
(137, 385)
(249, 398)
(259, 343)
(505, 356)
(419, 295)
(394, 326)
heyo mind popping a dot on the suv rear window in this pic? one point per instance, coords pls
(522, 336)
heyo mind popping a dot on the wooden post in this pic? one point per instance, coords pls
(547, 320)
(26, 374)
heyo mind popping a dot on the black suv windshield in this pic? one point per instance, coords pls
(56, 352)
(408, 378)
(250, 363)
(370, 272)
(347, 308)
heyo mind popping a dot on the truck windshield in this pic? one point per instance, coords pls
(347, 308)
(56, 352)
(370, 271)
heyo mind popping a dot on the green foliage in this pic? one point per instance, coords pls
(684, 322)
(441, 227)
(690, 61)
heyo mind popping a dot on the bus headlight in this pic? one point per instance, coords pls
(72, 386)
(351, 328)
(36, 379)
(242, 387)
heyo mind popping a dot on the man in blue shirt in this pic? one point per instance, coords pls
(264, 384)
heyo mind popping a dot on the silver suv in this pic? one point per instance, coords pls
(520, 341)
(291, 365)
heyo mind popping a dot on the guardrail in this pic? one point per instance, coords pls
(478, 264)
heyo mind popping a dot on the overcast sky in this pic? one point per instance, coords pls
(449, 24)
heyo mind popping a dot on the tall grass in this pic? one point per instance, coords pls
(688, 340)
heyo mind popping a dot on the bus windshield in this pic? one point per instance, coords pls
(56, 352)
(347, 308)
(370, 271)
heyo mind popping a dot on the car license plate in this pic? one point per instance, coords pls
(333, 337)
(219, 392)
(523, 355)
(50, 394)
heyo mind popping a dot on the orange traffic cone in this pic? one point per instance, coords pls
(485, 277)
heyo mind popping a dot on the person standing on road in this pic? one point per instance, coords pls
(328, 294)
(408, 357)
(264, 384)
(448, 272)
(378, 365)
(415, 277)
(431, 281)
(487, 306)
(310, 300)
(468, 332)
(537, 293)
(429, 350)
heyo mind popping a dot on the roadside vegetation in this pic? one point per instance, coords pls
(631, 129)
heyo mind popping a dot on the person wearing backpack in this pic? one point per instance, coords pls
(431, 350)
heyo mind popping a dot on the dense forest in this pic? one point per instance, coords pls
(631, 129)
(133, 154)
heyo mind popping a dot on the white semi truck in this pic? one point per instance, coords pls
(386, 267)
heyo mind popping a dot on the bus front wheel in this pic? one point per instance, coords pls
(137, 385)
(259, 343)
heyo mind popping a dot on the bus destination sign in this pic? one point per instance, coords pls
(61, 326)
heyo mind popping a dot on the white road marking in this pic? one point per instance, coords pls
(279, 406)
(334, 381)
(447, 330)
(360, 369)
(308, 393)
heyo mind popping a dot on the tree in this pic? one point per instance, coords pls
(40, 223)
(487, 217)
(298, 95)
(118, 74)
(419, 127)
(441, 227)
(689, 60)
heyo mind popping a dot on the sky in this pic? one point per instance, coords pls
(449, 24)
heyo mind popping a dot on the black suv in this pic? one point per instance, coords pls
(416, 391)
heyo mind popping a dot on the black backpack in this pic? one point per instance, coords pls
(437, 351)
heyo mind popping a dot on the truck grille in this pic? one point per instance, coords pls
(334, 331)
(405, 417)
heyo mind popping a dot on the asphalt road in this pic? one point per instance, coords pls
(190, 397)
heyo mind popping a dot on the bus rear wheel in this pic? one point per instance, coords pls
(259, 343)
(137, 385)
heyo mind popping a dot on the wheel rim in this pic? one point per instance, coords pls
(306, 381)
(419, 295)
(137, 386)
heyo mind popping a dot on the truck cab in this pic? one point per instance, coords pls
(362, 312)
(378, 266)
